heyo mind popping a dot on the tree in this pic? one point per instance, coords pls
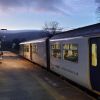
(52, 27)
(15, 44)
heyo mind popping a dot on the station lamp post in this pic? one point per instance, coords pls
(1, 40)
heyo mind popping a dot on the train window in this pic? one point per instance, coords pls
(34, 49)
(94, 55)
(56, 50)
(26, 48)
(70, 52)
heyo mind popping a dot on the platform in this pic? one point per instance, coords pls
(23, 80)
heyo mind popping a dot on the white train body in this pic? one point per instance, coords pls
(35, 51)
(76, 71)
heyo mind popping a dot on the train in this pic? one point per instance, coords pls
(74, 54)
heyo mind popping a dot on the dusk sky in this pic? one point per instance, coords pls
(32, 14)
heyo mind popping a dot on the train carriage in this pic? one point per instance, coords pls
(37, 51)
(68, 59)
(75, 54)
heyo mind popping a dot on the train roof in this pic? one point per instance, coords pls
(91, 30)
(35, 41)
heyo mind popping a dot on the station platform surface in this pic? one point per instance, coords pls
(22, 80)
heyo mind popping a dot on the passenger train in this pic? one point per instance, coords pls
(74, 54)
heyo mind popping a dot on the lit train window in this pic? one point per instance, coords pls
(56, 50)
(26, 48)
(94, 55)
(70, 52)
(34, 48)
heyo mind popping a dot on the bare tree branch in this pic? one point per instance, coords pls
(52, 27)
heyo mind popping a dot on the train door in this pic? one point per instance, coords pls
(31, 52)
(95, 63)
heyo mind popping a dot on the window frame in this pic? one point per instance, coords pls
(54, 48)
(26, 48)
(34, 48)
(70, 49)
(92, 61)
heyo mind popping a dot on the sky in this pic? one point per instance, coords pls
(32, 14)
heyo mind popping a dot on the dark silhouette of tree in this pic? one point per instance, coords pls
(52, 27)
(15, 44)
